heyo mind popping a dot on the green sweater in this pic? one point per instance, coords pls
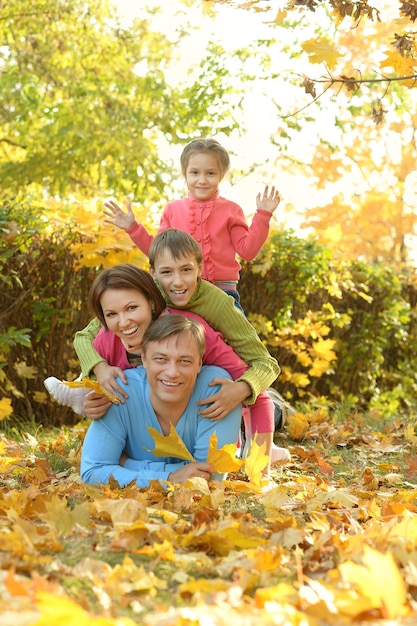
(83, 344)
(219, 310)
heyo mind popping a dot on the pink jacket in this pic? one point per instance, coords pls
(220, 228)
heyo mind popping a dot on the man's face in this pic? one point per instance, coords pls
(177, 277)
(172, 366)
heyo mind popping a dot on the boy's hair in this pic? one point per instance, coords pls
(125, 276)
(177, 242)
(196, 146)
(172, 325)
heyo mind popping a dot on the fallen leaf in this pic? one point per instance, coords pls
(170, 445)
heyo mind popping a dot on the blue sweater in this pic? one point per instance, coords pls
(124, 429)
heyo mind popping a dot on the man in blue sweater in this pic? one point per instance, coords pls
(162, 393)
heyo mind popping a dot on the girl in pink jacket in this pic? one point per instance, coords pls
(217, 224)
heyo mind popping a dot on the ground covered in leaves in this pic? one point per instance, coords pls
(333, 542)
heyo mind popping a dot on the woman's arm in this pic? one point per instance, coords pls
(83, 344)
(93, 363)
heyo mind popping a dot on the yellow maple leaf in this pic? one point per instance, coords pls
(255, 463)
(321, 50)
(224, 459)
(299, 379)
(26, 371)
(378, 578)
(87, 383)
(6, 408)
(209, 8)
(169, 445)
(323, 349)
(402, 66)
(319, 368)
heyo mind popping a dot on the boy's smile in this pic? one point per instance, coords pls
(177, 277)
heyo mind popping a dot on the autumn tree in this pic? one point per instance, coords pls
(84, 100)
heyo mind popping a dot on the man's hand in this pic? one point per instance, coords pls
(230, 394)
(106, 375)
(118, 217)
(268, 202)
(95, 405)
(192, 470)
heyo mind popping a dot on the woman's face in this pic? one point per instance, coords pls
(128, 313)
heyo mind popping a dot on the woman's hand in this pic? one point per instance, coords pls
(95, 405)
(230, 394)
(106, 375)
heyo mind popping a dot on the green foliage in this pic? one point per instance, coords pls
(94, 101)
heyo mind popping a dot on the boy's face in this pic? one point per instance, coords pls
(176, 277)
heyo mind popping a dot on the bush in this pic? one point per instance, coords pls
(340, 331)
(45, 302)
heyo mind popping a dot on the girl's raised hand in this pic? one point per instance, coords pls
(118, 217)
(268, 201)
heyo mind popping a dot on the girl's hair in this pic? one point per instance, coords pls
(205, 145)
(177, 242)
(125, 276)
(174, 326)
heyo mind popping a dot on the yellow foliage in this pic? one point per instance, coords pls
(402, 65)
(65, 612)
(297, 426)
(319, 368)
(298, 379)
(303, 359)
(321, 50)
(26, 371)
(323, 349)
(6, 408)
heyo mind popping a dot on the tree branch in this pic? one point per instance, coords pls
(357, 81)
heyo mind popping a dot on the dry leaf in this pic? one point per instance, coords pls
(87, 383)
(169, 446)
(223, 460)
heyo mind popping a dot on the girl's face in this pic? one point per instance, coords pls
(203, 175)
(127, 313)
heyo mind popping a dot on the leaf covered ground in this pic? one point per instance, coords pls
(333, 542)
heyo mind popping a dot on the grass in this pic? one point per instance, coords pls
(350, 484)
